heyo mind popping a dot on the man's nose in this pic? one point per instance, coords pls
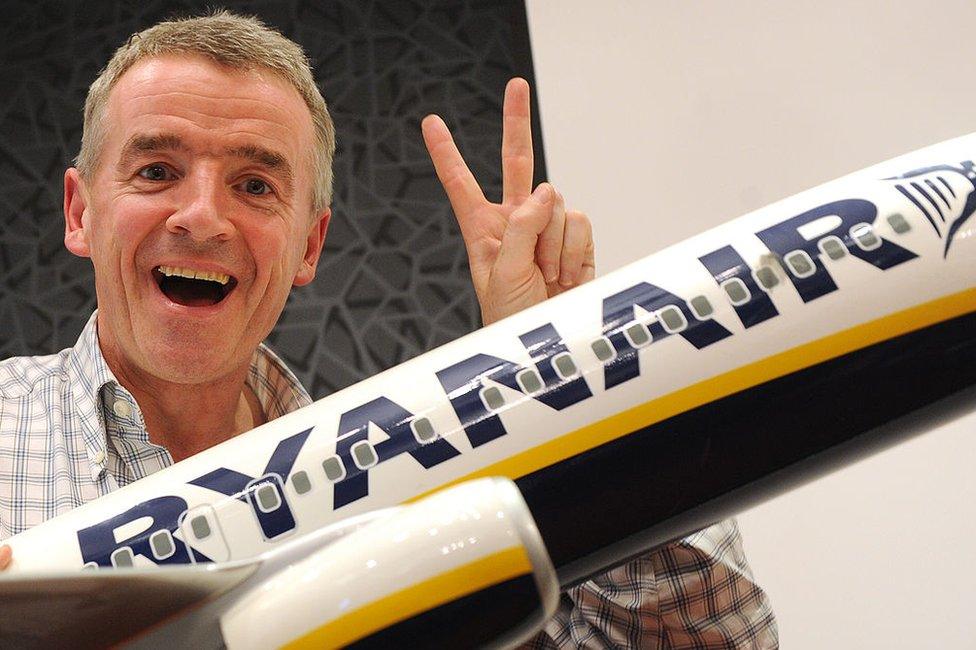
(202, 213)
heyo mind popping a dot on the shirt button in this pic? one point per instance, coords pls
(122, 408)
(99, 457)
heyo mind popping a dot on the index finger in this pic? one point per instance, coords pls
(517, 159)
(462, 189)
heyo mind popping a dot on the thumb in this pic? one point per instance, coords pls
(6, 556)
(517, 252)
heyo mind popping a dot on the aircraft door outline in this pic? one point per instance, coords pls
(203, 536)
(267, 500)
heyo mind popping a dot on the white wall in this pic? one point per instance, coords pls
(645, 103)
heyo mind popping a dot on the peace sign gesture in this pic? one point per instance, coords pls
(526, 248)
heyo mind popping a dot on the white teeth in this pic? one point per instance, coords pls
(182, 272)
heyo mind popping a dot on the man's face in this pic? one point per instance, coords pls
(204, 172)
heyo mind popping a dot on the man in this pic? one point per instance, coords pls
(201, 195)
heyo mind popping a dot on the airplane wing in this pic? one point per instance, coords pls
(96, 609)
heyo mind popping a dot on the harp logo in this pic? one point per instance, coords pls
(944, 194)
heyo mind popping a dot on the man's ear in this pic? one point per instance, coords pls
(313, 248)
(75, 222)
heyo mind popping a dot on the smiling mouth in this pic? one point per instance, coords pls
(192, 288)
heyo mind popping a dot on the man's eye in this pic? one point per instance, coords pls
(256, 186)
(155, 173)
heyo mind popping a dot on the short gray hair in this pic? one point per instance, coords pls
(238, 42)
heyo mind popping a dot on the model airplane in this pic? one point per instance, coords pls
(632, 410)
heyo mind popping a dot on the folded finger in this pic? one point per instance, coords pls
(587, 273)
(516, 256)
(462, 189)
(549, 249)
(577, 248)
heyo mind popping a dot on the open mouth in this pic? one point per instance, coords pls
(193, 288)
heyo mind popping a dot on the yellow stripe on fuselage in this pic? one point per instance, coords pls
(709, 390)
(401, 605)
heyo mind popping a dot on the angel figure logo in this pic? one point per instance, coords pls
(946, 195)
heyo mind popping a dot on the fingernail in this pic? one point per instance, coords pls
(543, 193)
(551, 274)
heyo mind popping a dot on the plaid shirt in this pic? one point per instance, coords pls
(70, 433)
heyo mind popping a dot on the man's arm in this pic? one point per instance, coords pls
(696, 592)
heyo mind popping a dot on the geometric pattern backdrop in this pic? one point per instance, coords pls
(393, 280)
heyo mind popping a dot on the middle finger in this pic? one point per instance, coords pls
(517, 158)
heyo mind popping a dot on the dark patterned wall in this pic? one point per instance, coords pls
(393, 280)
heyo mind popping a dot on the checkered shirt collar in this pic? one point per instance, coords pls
(88, 373)
(276, 387)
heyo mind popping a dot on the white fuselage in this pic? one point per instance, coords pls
(876, 257)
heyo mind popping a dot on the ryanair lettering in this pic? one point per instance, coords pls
(551, 377)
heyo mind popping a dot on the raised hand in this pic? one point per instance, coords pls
(526, 248)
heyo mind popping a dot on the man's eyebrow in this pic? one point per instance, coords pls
(142, 143)
(273, 161)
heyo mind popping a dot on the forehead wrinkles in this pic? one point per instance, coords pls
(200, 90)
(232, 115)
(207, 103)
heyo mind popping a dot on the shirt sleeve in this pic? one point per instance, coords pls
(695, 593)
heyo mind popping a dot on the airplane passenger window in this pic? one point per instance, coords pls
(200, 527)
(334, 469)
(701, 307)
(766, 277)
(122, 557)
(865, 237)
(161, 543)
(364, 455)
(673, 320)
(737, 291)
(832, 247)
(529, 380)
(800, 264)
(301, 482)
(603, 349)
(268, 498)
(638, 335)
(492, 398)
(564, 365)
(90, 565)
(898, 223)
(423, 430)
